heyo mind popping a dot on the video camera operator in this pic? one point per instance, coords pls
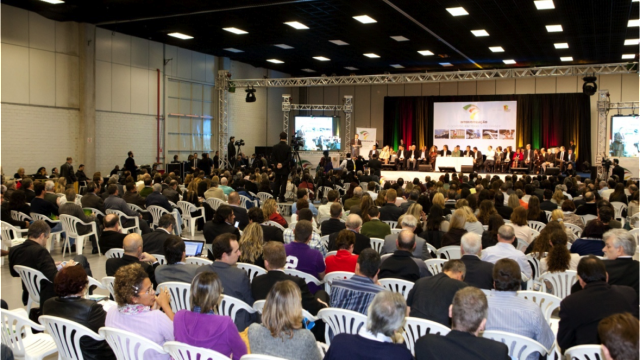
(231, 152)
(281, 157)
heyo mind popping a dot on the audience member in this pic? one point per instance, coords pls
(520, 224)
(175, 269)
(345, 259)
(75, 210)
(504, 249)
(222, 223)
(478, 273)
(390, 211)
(456, 228)
(270, 212)
(315, 243)
(303, 194)
(590, 241)
(251, 245)
(559, 258)
(91, 198)
(619, 336)
(590, 207)
(401, 264)
(335, 223)
(240, 212)
(357, 292)
(409, 223)
(114, 202)
(133, 254)
(153, 242)
(353, 224)
(269, 233)
(374, 228)
(303, 258)
(111, 237)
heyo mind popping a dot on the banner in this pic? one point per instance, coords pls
(479, 124)
(368, 138)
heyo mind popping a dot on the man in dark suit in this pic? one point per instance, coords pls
(468, 152)
(231, 150)
(468, 313)
(153, 242)
(445, 152)
(241, 213)
(401, 264)
(373, 151)
(375, 166)
(502, 210)
(222, 223)
(91, 198)
(590, 207)
(420, 250)
(27, 186)
(171, 193)
(561, 158)
(477, 159)
(546, 204)
(412, 158)
(390, 211)
(401, 158)
(66, 171)
(571, 158)
(413, 198)
(618, 170)
(175, 269)
(356, 144)
(130, 165)
(280, 156)
(133, 254)
(333, 224)
(270, 233)
(353, 223)
(478, 273)
(157, 199)
(528, 157)
(111, 237)
(581, 312)
(205, 164)
(131, 196)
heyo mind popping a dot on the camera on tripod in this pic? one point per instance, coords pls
(240, 142)
(296, 142)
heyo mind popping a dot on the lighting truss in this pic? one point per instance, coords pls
(223, 117)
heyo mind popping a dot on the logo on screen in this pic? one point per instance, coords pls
(305, 164)
(473, 111)
(364, 134)
(506, 108)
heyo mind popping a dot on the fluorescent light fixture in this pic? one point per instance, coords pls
(233, 50)
(321, 58)
(425, 52)
(566, 58)
(275, 61)
(297, 25)
(561, 45)
(397, 66)
(365, 19)
(351, 68)
(632, 41)
(634, 23)
(457, 11)
(235, 30)
(479, 33)
(629, 56)
(339, 42)
(283, 46)
(54, 2)
(180, 36)
(496, 49)
(509, 62)
(399, 38)
(544, 4)
(554, 28)
(371, 55)
(446, 64)
(308, 70)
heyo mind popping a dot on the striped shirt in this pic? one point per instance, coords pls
(315, 242)
(354, 294)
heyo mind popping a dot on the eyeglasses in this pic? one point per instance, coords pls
(148, 292)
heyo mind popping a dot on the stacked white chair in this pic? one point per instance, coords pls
(31, 278)
(415, 328)
(17, 335)
(156, 214)
(584, 352)
(575, 229)
(392, 224)
(70, 227)
(336, 275)
(397, 285)
(341, 321)
(107, 282)
(114, 253)
(229, 306)
(67, 334)
(560, 282)
(127, 345)
(547, 302)
(536, 225)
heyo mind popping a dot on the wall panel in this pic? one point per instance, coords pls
(42, 77)
(378, 92)
(505, 86)
(139, 52)
(139, 91)
(413, 90)
(120, 88)
(448, 88)
(395, 90)
(14, 26)
(486, 87)
(42, 33)
(567, 84)
(15, 73)
(103, 44)
(546, 85)
(103, 85)
(67, 38)
(120, 49)
(526, 86)
(67, 81)
(467, 88)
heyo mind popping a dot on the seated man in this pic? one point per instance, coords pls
(315, 243)
(513, 314)
(374, 228)
(505, 249)
(345, 259)
(157, 199)
(479, 273)
(222, 223)
(324, 211)
(153, 242)
(431, 297)
(240, 213)
(73, 209)
(270, 233)
(131, 196)
(303, 258)
(619, 335)
(409, 223)
(175, 269)
(356, 293)
(401, 265)
(333, 224)
(132, 246)
(111, 237)
(468, 314)
(115, 202)
(302, 194)
(353, 224)
(390, 211)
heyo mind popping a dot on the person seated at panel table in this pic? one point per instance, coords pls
(517, 158)
(445, 151)
(423, 155)
(456, 152)
(385, 154)
(433, 154)
(498, 159)
(468, 152)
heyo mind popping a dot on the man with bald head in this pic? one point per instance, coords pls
(133, 254)
(242, 217)
(401, 264)
(111, 237)
(354, 224)
(355, 200)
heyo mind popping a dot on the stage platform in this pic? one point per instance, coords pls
(390, 175)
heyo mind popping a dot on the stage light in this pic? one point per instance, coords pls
(589, 86)
(297, 25)
(629, 56)
(457, 11)
(251, 95)
(554, 28)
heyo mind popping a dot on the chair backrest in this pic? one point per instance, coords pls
(16, 330)
(186, 208)
(215, 203)
(309, 279)
(377, 244)
(108, 281)
(93, 281)
(336, 275)
(260, 357)
(136, 208)
(180, 294)
(69, 224)
(263, 196)
(575, 229)
(587, 218)
(161, 259)
(325, 241)
(36, 216)
(435, 265)
(634, 232)
(548, 213)
(9, 231)
(156, 213)
(450, 252)
(18, 216)
(114, 253)
(341, 321)
(535, 265)
(127, 345)
(521, 244)
(520, 347)
(196, 260)
(334, 252)
(534, 234)
(618, 207)
(323, 348)
(31, 278)
(415, 328)
(245, 202)
(547, 302)
(584, 352)
(536, 225)
(560, 282)
(392, 224)
(273, 223)
(229, 306)
(252, 270)
(397, 285)
(67, 335)
(182, 351)
(396, 231)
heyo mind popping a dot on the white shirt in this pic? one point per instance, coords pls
(490, 155)
(506, 251)
(374, 196)
(369, 335)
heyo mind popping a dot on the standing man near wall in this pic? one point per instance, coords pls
(66, 171)
(130, 165)
(231, 151)
(356, 144)
(281, 154)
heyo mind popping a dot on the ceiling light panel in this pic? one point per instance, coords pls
(399, 38)
(566, 58)
(629, 56)
(371, 55)
(321, 58)
(509, 62)
(457, 11)
(365, 19)
(351, 68)
(561, 45)
(425, 52)
(496, 49)
(632, 41)
(233, 50)
(275, 61)
(397, 66)
(54, 2)
(446, 64)
(297, 25)
(339, 42)
(283, 46)
(235, 30)
(544, 4)
(634, 23)
(480, 33)
(180, 36)
(308, 70)
(554, 28)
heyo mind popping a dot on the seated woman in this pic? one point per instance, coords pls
(203, 328)
(435, 227)
(590, 241)
(250, 245)
(569, 209)
(490, 236)
(456, 229)
(71, 285)
(472, 224)
(485, 211)
(265, 187)
(415, 210)
(306, 183)
(381, 338)
(385, 154)
(534, 213)
(281, 333)
(518, 158)
(270, 211)
(558, 216)
(345, 259)
(138, 309)
(559, 258)
(520, 224)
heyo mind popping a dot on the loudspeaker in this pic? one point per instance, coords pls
(466, 169)
(425, 167)
(552, 171)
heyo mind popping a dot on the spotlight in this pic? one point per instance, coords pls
(251, 96)
(589, 86)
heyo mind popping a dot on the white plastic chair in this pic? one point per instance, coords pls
(575, 229)
(584, 352)
(67, 335)
(260, 357)
(336, 275)
(31, 278)
(341, 321)
(180, 294)
(17, 335)
(485, 227)
(246, 203)
(450, 252)
(263, 196)
(325, 241)
(187, 208)
(95, 212)
(273, 223)
(18, 216)
(560, 281)
(396, 231)
(137, 208)
(156, 214)
(377, 244)
(215, 203)
(252, 270)
(70, 227)
(546, 302)
(161, 259)
(534, 234)
(397, 285)
(536, 225)
(95, 282)
(435, 265)
(415, 328)
(125, 230)
(108, 281)
(334, 252)
(549, 215)
(619, 207)
(392, 224)
(127, 345)
(11, 232)
(520, 347)
(182, 351)
(54, 235)
(587, 218)
(323, 348)
(535, 268)
(521, 244)
(198, 261)
(258, 305)
(229, 306)
(635, 233)
(114, 253)
(309, 279)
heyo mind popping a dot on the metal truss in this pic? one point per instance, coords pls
(472, 75)
(604, 105)
(223, 116)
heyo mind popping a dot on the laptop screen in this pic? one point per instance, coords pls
(193, 247)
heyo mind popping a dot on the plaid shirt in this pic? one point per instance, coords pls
(315, 242)
(354, 294)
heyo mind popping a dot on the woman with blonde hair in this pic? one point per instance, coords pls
(282, 333)
(415, 210)
(271, 213)
(520, 224)
(201, 326)
(456, 228)
(438, 199)
(558, 216)
(380, 199)
(250, 245)
(513, 201)
(385, 154)
(61, 186)
(472, 224)
(557, 198)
